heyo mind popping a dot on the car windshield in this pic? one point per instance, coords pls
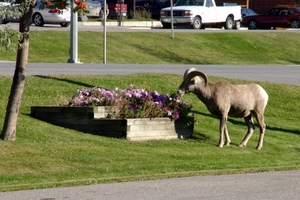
(298, 9)
(251, 12)
(189, 3)
(272, 12)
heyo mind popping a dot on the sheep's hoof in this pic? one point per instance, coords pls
(258, 147)
(242, 145)
(227, 144)
(220, 145)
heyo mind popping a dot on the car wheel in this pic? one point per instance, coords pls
(197, 24)
(166, 25)
(252, 24)
(229, 23)
(64, 24)
(295, 24)
(38, 19)
(237, 25)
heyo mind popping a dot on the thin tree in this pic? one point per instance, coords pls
(25, 11)
(17, 88)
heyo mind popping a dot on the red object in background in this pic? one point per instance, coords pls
(121, 7)
(288, 17)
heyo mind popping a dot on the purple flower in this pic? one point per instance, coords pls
(133, 102)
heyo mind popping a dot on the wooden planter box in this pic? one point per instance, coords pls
(92, 120)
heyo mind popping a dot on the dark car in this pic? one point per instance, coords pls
(117, 8)
(248, 12)
(287, 17)
(153, 6)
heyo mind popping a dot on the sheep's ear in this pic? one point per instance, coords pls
(192, 81)
(194, 74)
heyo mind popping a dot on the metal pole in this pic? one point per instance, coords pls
(104, 33)
(172, 24)
(73, 36)
(134, 3)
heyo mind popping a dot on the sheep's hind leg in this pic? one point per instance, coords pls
(250, 124)
(262, 126)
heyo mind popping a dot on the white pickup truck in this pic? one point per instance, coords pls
(202, 13)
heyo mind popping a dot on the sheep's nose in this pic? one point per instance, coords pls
(180, 92)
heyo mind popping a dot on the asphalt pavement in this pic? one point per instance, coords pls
(286, 74)
(278, 185)
(275, 185)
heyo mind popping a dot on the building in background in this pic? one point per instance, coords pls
(260, 6)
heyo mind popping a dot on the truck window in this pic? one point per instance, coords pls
(180, 3)
(199, 2)
(189, 2)
(209, 3)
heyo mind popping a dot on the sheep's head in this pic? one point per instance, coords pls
(191, 78)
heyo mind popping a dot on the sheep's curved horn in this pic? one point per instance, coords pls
(192, 74)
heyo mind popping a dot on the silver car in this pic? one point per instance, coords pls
(95, 7)
(50, 16)
(45, 16)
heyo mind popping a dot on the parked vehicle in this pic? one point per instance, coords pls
(288, 17)
(201, 13)
(248, 12)
(13, 13)
(94, 7)
(50, 16)
(45, 16)
(117, 8)
(153, 6)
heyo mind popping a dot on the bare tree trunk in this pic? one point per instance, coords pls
(17, 88)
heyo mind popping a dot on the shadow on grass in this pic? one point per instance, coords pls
(294, 62)
(65, 80)
(167, 55)
(235, 122)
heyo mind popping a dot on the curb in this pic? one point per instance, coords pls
(125, 23)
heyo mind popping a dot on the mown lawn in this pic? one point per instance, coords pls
(199, 47)
(45, 155)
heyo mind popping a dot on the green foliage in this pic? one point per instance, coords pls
(140, 14)
(7, 34)
(7, 38)
(45, 155)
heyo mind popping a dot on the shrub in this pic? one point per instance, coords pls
(140, 14)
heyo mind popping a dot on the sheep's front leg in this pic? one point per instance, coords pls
(251, 127)
(223, 129)
(227, 136)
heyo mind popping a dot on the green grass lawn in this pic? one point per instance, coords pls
(159, 48)
(45, 155)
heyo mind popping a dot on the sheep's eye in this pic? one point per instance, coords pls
(192, 81)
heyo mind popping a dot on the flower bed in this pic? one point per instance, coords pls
(91, 120)
(132, 113)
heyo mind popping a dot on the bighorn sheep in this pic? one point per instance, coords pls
(224, 99)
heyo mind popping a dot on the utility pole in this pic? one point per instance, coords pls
(73, 36)
(104, 32)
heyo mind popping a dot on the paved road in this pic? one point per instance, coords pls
(287, 74)
(284, 185)
(253, 186)
(141, 26)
